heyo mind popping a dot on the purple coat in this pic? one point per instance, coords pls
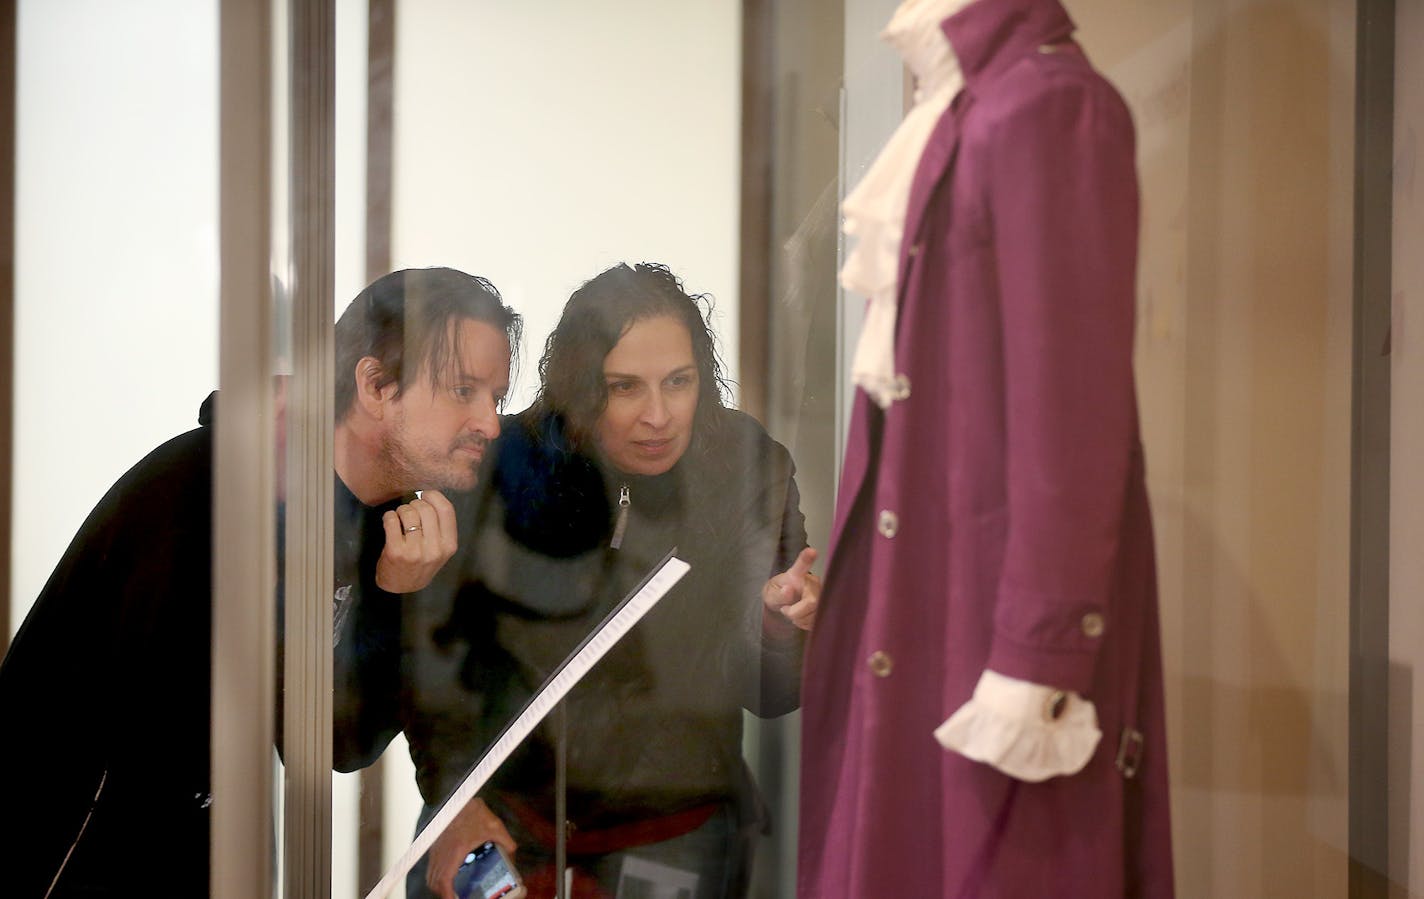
(998, 516)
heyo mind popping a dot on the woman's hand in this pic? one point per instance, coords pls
(794, 594)
(473, 826)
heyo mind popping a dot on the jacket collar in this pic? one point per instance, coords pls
(990, 35)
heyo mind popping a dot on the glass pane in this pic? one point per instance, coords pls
(105, 690)
(540, 148)
(578, 160)
(1244, 126)
(1243, 366)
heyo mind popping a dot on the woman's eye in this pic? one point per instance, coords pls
(622, 388)
(463, 394)
(680, 381)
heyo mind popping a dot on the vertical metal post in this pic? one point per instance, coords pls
(8, 106)
(307, 666)
(561, 801)
(758, 135)
(244, 567)
(1370, 451)
(380, 94)
(872, 106)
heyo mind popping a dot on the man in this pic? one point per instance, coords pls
(423, 365)
(105, 690)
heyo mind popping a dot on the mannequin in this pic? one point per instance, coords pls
(989, 610)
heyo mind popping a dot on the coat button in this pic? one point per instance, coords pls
(915, 249)
(880, 663)
(902, 387)
(1093, 624)
(889, 524)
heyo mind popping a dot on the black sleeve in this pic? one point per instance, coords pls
(366, 668)
(106, 682)
(54, 753)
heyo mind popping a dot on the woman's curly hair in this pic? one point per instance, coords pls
(595, 318)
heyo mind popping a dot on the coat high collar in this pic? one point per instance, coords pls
(990, 35)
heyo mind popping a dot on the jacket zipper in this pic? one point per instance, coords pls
(621, 525)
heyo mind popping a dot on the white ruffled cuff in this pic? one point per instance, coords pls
(1026, 730)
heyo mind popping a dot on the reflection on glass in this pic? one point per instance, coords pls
(627, 453)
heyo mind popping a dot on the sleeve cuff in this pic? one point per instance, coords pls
(1028, 731)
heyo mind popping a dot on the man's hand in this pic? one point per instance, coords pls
(794, 593)
(473, 826)
(420, 538)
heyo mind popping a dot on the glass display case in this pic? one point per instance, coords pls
(200, 190)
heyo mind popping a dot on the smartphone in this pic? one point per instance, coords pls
(488, 873)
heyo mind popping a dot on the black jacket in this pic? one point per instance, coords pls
(105, 692)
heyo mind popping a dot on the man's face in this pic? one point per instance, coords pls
(438, 431)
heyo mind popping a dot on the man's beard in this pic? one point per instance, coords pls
(414, 466)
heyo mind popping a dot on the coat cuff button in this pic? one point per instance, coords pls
(1055, 705)
(902, 387)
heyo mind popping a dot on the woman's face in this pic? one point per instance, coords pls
(652, 383)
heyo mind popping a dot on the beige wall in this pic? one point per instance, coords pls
(1245, 118)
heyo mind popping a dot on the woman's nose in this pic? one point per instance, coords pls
(655, 413)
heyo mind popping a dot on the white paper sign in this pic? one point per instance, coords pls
(593, 648)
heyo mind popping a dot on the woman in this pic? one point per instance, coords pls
(628, 453)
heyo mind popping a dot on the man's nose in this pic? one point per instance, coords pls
(485, 419)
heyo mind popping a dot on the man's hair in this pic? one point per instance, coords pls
(596, 317)
(405, 321)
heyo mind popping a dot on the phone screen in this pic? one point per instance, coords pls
(486, 875)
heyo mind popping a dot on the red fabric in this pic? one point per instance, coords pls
(611, 839)
(1015, 471)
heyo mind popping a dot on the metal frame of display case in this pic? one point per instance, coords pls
(1370, 451)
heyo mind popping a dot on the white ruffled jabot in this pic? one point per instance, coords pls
(875, 209)
(1025, 730)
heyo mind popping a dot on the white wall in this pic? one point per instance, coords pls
(116, 293)
(539, 143)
